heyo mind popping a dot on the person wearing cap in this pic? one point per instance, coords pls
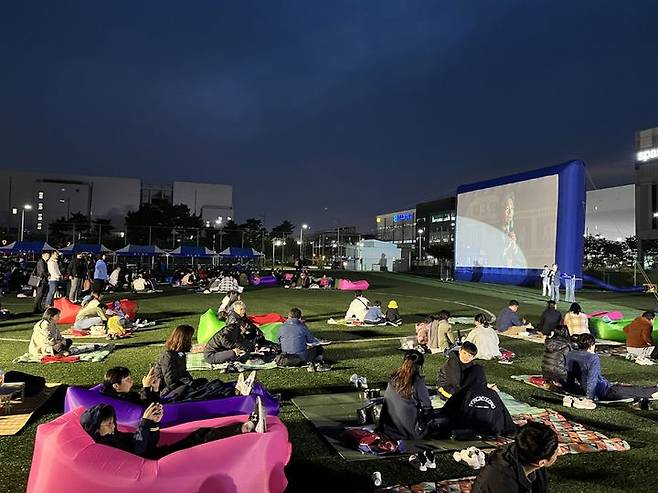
(392, 313)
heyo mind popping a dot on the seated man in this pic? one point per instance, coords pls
(451, 374)
(294, 338)
(100, 423)
(549, 319)
(139, 284)
(639, 342)
(118, 382)
(508, 321)
(584, 367)
(374, 315)
(520, 467)
(358, 308)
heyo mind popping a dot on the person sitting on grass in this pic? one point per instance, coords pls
(46, 338)
(508, 321)
(639, 341)
(118, 382)
(520, 467)
(374, 315)
(237, 318)
(227, 302)
(92, 313)
(584, 367)
(298, 345)
(407, 411)
(476, 410)
(451, 374)
(549, 319)
(576, 320)
(358, 308)
(485, 338)
(392, 314)
(554, 362)
(442, 337)
(100, 423)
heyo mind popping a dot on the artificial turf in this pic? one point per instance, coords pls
(314, 465)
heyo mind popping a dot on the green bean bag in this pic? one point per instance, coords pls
(271, 331)
(209, 325)
(612, 331)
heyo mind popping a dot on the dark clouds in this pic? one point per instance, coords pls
(356, 106)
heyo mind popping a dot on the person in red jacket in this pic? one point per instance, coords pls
(639, 342)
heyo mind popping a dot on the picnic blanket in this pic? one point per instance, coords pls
(85, 334)
(539, 339)
(89, 353)
(460, 485)
(538, 382)
(195, 361)
(355, 323)
(21, 412)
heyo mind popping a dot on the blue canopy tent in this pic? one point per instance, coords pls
(84, 248)
(240, 253)
(131, 250)
(26, 247)
(191, 252)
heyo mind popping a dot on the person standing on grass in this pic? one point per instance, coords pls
(546, 288)
(640, 341)
(76, 271)
(100, 274)
(521, 466)
(41, 271)
(554, 277)
(54, 276)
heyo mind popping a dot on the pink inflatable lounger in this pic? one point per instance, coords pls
(67, 460)
(611, 315)
(346, 285)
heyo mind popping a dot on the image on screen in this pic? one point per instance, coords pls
(508, 226)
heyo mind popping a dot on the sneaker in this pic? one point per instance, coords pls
(641, 360)
(239, 384)
(311, 368)
(248, 384)
(584, 404)
(567, 401)
(431, 459)
(418, 461)
(261, 416)
(322, 366)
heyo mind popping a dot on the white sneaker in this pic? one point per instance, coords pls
(418, 461)
(584, 404)
(567, 401)
(261, 416)
(248, 383)
(239, 384)
(641, 360)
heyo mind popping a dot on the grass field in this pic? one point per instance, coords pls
(313, 460)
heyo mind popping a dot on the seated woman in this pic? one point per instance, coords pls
(100, 423)
(576, 320)
(584, 368)
(228, 300)
(484, 336)
(92, 313)
(237, 317)
(476, 410)
(554, 363)
(118, 382)
(46, 338)
(392, 314)
(358, 308)
(374, 314)
(407, 411)
(442, 337)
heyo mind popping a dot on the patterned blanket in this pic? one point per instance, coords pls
(460, 485)
(90, 353)
(195, 361)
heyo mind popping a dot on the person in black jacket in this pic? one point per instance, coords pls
(549, 319)
(41, 271)
(76, 271)
(100, 423)
(476, 410)
(171, 369)
(118, 383)
(452, 372)
(237, 317)
(554, 362)
(521, 466)
(226, 345)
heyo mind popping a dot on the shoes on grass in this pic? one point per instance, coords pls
(261, 416)
(243, 386)
(471, 456)
(578, 403)
(359, 382)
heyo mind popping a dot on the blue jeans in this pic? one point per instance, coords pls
(52, 287)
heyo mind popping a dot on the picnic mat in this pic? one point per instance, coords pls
(21, 412)
(539, 339)
(195, 361)
(81, 334)
(356, 323)
(461, 485)
(528, 379)
(332, 413)
(89, 353)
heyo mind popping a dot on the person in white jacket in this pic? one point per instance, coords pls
(545, 281)
(484, 336)
(54, 276)
(358, 308)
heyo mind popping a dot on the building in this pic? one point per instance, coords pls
(610, 212)
(646, 187)
(52, 196)
(398, 227)
(436, 219)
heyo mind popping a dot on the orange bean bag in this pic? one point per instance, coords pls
(67, 310)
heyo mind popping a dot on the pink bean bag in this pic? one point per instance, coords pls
(67, 460)
(346, 285)
(67, 310)
(610, 315)
(267, 318)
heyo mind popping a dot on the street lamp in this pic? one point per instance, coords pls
(26, 207)
(420, 244)
(301, 240)
(275, 243)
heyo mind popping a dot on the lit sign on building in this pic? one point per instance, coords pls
(647, 155)
(407, 216)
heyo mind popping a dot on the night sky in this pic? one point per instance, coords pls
(326, 112)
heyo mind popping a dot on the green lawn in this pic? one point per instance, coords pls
(312, 457)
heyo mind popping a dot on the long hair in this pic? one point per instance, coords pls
(404, 377)
(180, 339)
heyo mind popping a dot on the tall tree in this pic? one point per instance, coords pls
(163, 223)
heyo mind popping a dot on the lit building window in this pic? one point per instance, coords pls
(39, 216)
(40, 206)
(40, 195)
(39, 226)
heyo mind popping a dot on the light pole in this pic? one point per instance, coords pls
(420, 244)
(301, 240)
(275, 243)
(26, 207)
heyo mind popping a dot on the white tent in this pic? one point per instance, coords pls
(371, 255)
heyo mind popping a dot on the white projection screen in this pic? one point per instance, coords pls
(508, 226)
